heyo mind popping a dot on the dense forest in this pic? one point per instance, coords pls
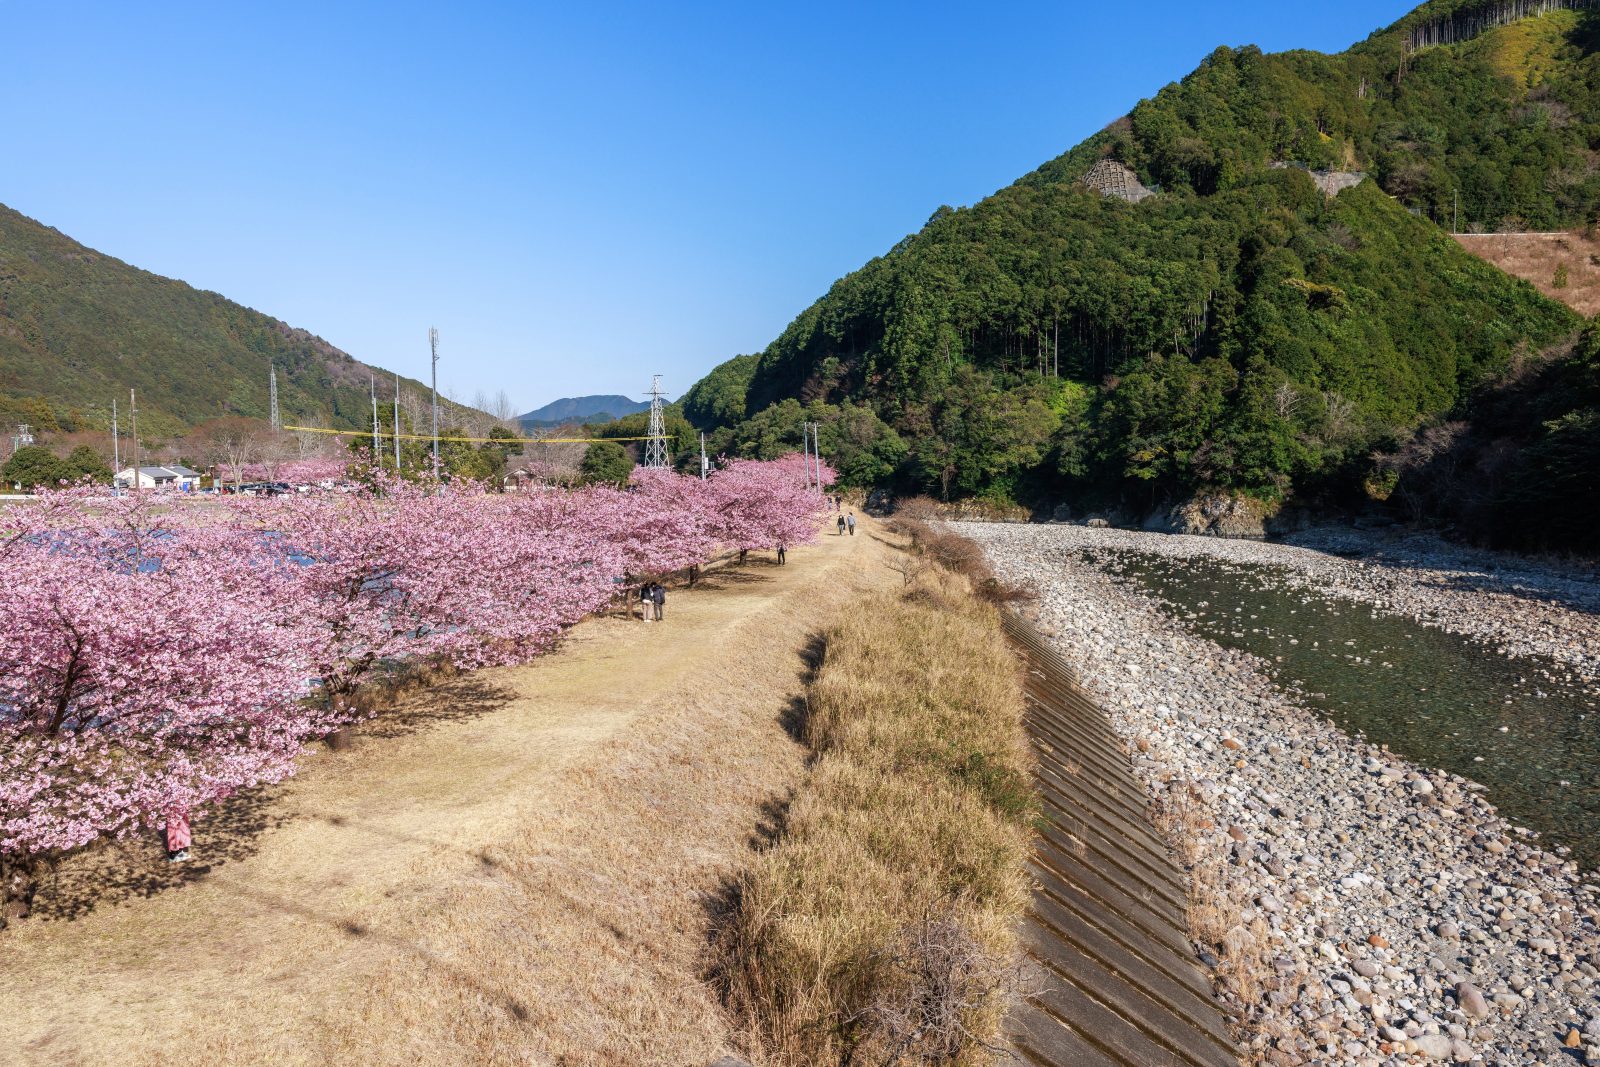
(1238, 331)
(78, 328)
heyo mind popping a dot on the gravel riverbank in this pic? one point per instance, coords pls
(1396, 916)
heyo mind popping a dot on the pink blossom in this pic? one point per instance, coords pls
(162, 654)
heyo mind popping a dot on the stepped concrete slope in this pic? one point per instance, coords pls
(1112, 977)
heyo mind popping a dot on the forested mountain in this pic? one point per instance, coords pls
(79, 328)
(581, 409)
(1242, 329)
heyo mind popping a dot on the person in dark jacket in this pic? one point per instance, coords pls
(841, 525)
(782, 554)
(658, 597)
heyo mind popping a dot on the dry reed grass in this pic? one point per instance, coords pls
(881, 927)
(918, 519)
(1221, 915)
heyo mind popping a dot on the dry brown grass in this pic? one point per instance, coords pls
(917, 520)
(1221, 914)
(520, 866)
(881, 927)
(1537, 258)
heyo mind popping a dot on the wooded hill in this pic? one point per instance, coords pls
(1237, 331)
(79, 328)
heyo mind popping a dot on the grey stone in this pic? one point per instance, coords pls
(1470, 997)
(1433, 1046)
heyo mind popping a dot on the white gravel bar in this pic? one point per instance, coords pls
(1408, 922)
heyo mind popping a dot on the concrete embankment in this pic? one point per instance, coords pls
(1112, 979)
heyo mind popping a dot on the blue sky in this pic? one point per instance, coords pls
(576, 198)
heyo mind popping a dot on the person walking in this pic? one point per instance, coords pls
(178, 837)
(841, 525)
(644, 602)
(658, 597)
(851, 522)
(781, 554)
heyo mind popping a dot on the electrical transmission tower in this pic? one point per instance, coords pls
(655, 449)
(272, 398)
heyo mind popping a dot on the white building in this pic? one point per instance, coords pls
(176, 476)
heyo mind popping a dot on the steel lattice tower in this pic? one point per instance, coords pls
(272, 398)
(655, 449)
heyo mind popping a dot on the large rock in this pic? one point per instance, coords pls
(1220, 515)
(1433, 1046)
(1471, 1000)
(1160, 521)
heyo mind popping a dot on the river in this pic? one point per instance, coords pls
(1524, 728)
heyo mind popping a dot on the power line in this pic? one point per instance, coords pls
(508, 441)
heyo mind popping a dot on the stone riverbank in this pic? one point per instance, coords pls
(1393, 915)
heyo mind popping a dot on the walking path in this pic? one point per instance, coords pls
(520, 866)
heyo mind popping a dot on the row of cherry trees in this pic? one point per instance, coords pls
(159, 654)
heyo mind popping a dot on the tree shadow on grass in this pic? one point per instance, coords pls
(722, 904)
(793, 716)
(231, 830)
(457, 699)
(724, 577)
(419, 954)
(119, 871)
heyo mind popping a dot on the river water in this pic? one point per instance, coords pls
(1524, 728)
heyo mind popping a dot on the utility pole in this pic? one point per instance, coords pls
(433, 345)
(705, 464)
(813, 445)
(805, 445)
(272, 399)
(133, 436)
(655, 448)
(377, 442)
(816, 450)
(116, 445)
(397, 424)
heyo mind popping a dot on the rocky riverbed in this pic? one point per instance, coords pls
(1394, 915)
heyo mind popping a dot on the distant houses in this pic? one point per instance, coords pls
(176, 476)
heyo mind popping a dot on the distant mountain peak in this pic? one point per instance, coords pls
(583, 409)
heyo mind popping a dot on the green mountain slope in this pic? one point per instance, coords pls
(78, 328)
(1240, 329)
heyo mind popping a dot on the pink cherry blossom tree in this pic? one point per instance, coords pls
(162, 653)
(144, 669)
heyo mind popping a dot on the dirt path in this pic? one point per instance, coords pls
(520, 867)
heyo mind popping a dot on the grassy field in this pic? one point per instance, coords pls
(881, 927)
(1562, 266)
(519, 866)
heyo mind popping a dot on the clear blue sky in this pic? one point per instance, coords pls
(576, 195)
